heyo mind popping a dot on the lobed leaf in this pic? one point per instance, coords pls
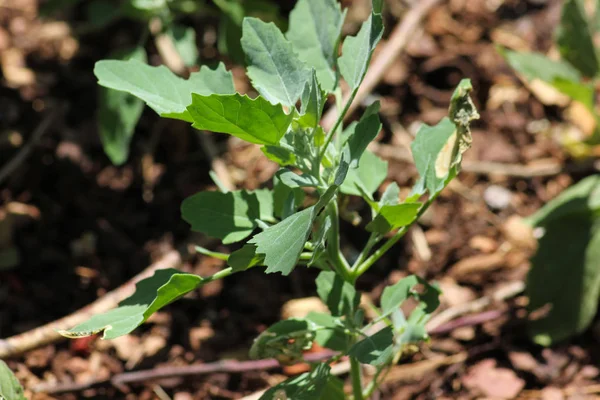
(314, 31)
(574, 38)
(307, 386)
(275, 70)
(159, 88)
(255, 121)
(10, 388)
(118, 113)
(340, 296)
(151, 294)
(230, 216)
(357, 50)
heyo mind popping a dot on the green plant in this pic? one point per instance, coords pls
(576, 74)
(10, 388)
(298, 220)
(118, 111)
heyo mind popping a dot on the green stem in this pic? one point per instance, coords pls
(337, 124)
(355, 375)
(219, 275)
(335, 256)
(373, 239)
(364, 266)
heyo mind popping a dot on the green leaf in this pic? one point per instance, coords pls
(284, 340)
(151, 294)
(377, 349)
(307, 386)
(281, 196)
(314, 31)
(357, 50)
(229, 216)
(340, 296)
(255, 121)
(569, 248)
(369, 175)
(320, 238)
(580, 198)
(365, 131)
(334, 390)
(391, 195)
(294, 180)
(437, 150)
(159, 88)
(394, 217)
(393, 296)
(331, 332)
(244, 258)
(564, 278)
(578, 91)
(118, 114)
(538, 66)
(312, 103)
(280, 155)
(184, 40)
(283, 242)
(574, 38)
(10, 388)
(275, 70)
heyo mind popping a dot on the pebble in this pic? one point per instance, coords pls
(497, 197)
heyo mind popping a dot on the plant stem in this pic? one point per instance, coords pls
(355, 375)
(334, 253)
(337, 124)
(373, 239)
(219, 275)
(364, 266)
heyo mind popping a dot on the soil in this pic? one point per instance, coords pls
(81, 227)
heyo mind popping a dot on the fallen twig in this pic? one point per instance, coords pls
(230, 366)
(396, 43)
(47, 334)
(22, 155)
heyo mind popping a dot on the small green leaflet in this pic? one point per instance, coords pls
(357, 50)
(229, 216)
(151, 294)
(280, 155)
(308, 386)
(163, 91)
(392, 217)
(118, 114)
(377, 349)
(393, 296)
(255, 121)
(574, 38)
(313, 101)
(10, 388)
(332, 332)
(244, 258)
(340, 297)
(283, 242)
(274, 68)
(314, 31)
(369, 175)
(294, 180)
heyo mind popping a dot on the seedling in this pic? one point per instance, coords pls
(288, 226)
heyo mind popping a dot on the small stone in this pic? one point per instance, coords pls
(497, 197)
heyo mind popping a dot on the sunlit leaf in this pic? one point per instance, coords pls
(255, 121)
(312, 103)
(314, 31)
(376, 349)
(363, 133)
(307, 386)
(229, 216)
(161, 89)
(10, 388)
(340, 296)
(275, 70)
(369, 175)
(357, 50)
(392, 217)
(151, 294)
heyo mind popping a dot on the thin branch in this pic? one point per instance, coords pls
(399, 38)
(47, 334)
(24, 152)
